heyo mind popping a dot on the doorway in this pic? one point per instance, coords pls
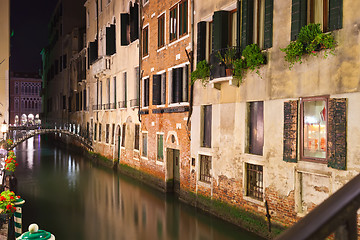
(173, 169)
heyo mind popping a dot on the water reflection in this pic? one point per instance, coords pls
(74, 199)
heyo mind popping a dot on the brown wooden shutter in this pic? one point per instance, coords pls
(290, 131)
(156, 90)
(336, 142)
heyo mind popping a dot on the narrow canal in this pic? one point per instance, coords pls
(72, 198)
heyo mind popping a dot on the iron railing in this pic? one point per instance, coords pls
(122, 104)
(218, 68)
(337, 214)
(112, 105)
(134, 102)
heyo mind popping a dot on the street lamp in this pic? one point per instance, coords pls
(4, 129)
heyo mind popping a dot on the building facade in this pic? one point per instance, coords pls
(25, 99)
(4, 60)
(283, 136)
(112, 33)
(165, 92)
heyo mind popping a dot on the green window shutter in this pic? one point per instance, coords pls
(298, 17)
(125, 38)
(201, 41)
(336, 133)
(290, 131)
(247, 23)
(221, 30)
(335, 14)
(268, 29)
(238, 23)
(110, 40)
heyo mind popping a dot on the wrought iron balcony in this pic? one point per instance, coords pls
(122, 104)
(97, 107)
(102, 66)
(218, 68)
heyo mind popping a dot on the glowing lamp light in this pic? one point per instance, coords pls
(4, 127)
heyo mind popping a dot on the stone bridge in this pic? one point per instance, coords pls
(20, 134)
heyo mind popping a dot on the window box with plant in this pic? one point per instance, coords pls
(311, 40)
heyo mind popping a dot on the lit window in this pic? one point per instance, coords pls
(256, 128)
(318, 13)
(314, 121)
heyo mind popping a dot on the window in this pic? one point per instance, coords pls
(95, 131)
(161, 31)
(173, 22)
(205, 168)
(159, 89)
(113, 134)
(114, 86)
(206, 126)
(145, 92)
(179, 84)
(125, 89)
(144, 144)
(137, 132)
(313, 113)
(233, 28)
(88, 18)
(160, 147)
(64, 61)
(130, 25)
(123, 135)
(107, 133)
(110, 40)
(254, 181)
(178, 22)
(255, 128)
(145, 41)
(99, 132)
(324, 12)
(258, 22)
(108, 90)
(100, 5)
(183, 18)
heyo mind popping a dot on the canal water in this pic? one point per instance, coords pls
(72, 198)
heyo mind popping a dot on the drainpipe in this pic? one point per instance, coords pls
(191, 59)
(140, 55)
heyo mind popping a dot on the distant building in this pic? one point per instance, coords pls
(4, 60)
(25, 99)
(65, 43)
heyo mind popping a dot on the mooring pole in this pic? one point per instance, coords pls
(268, 215)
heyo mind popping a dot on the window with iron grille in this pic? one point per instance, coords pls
(95, 131)
(113, 134)
(160, 147)
(254, 181)
(99, 132)
(123, 135)
(205, 167)
(107, 133)
(144, 144)
(137, 132)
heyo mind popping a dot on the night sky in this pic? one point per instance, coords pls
(29, 20)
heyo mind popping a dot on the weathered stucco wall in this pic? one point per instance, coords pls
(292, 189)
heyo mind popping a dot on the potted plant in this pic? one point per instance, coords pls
(228, 60)
(7, 204)
(10, 162)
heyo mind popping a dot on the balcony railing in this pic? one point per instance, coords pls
(97, 107)
(337, 214)
(112, 105)
(102, 66)
(107, 106)
(122, 104)
(134, 102)
(218, 69)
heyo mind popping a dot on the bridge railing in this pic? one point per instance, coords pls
(337, 214)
